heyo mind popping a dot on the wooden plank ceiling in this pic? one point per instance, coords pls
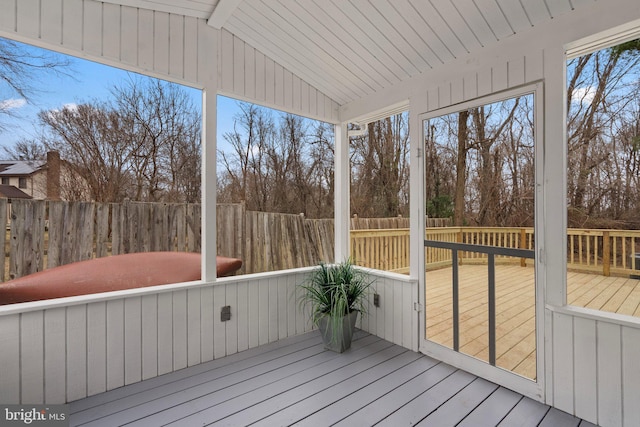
(349, 49)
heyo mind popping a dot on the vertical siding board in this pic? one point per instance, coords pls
(207, 64)
(516, 72)
(206, 324)
(389, 311)
(631, 376)
(132, 340)
(273, 309)
(227, 61)
(499, 76)
(145, 39)
(219, 333)
(313, 103)
(249, 72)
(55, 355)
(304, 97)
(51, 26)
(176, 45)
(433, 98)
(31, 357)
(96, 348)
(609, 374)
(470, 83)
(263, 311)
(111, 22)
(270, 82)
(179, 329)
(10, 359)
(191, 48)
(408, 314)
(115, 344)
(149, 314)
(563, 362)
(129, 37)
(242, 314)
(297, 88)
(288, 88)
(457, 90)
(260, 76)
(282, 308)
(253, 298)
(28, 18)
(278, 84)
(8, 15)
(485, 81)
(161, 42)
(194, 341)
(92, 28)
(72, 28)
(165, 333)
(231, 326)
(444, 95)
(238, 66)
(292, 304)
(382, 311)
(398, 311)
(586, 401)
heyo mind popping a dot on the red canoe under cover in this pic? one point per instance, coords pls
(112, 273)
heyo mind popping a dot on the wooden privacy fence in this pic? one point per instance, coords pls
(44, 234)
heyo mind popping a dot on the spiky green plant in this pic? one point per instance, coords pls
(335, 290)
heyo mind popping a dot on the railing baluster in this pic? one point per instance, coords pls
(492, 309)
(456, 329)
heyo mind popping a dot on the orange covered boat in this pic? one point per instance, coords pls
(112, 273)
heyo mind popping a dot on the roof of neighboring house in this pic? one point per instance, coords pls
(19, 167)
(12, 192)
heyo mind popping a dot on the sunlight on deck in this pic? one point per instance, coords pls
(515, 302)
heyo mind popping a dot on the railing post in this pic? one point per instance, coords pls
(606, 254)
(523, 245)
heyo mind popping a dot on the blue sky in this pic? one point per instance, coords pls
(90, 81)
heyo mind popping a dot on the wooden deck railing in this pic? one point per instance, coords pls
(607, 252)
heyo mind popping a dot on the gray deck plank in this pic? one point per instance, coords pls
(348, 387)
(437, 388)
(256, 355)
(490, 412)
(455, 409)
(305, 389)
(296, 381)
(558, 418)
(347, 405)
(203, 395)
(527, 413)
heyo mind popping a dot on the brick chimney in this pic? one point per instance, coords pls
(53, 175)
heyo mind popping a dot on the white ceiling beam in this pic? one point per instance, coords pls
(222, 12)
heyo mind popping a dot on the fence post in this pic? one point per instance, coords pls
(606, 254)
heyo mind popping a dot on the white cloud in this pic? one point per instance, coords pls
(583, 95)
(11, 104)
(70, 106)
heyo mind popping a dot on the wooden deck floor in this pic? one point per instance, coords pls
(296, 381)
(515, 309)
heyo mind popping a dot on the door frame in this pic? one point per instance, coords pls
(533, 389)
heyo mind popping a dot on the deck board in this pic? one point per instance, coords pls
(296, 381)
(515, 309)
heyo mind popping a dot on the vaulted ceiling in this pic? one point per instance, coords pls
(352, 48)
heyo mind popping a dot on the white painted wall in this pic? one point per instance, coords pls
(62, 350)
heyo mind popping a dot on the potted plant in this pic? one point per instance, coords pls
(336, 294)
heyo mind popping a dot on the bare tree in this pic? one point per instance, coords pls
(144, 145)
(20, 67)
